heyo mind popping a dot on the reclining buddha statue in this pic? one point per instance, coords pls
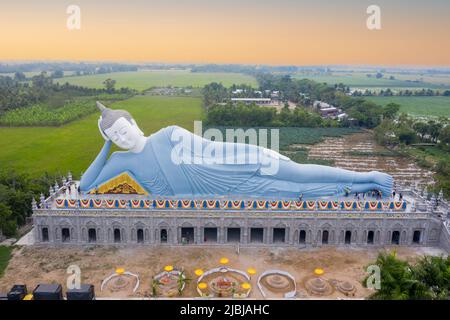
(158, 166)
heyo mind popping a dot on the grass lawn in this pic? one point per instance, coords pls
(74, 146)
(142, 80)
(360, 80)
(357, 81)
(5, 255)
(418, 106)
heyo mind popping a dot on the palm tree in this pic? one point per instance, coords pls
(397, 280)
(434, 272)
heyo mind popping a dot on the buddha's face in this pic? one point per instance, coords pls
(124, 134)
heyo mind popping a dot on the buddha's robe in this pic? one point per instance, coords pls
(175, 162)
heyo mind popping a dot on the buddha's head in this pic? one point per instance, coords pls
(119, 127)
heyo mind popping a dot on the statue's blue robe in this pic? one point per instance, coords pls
(160, 169)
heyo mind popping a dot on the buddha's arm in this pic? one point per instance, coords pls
(95, 168)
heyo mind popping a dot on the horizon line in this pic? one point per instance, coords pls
(131, 62)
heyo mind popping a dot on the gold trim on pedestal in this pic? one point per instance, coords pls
(121, 184)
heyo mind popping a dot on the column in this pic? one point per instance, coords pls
(222, 234)
(245, 235)
(198, 235)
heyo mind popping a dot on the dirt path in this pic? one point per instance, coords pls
(33, 265)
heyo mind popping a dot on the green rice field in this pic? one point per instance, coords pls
(142, 80)
(360, 80)
(434, 106)
(35, 150)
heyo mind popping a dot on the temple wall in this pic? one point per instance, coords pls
(116, 227)
(444, 241)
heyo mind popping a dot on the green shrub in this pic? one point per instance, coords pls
(56, 112)
(5, 255)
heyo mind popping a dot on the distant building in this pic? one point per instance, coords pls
(169, 91)
(275, 94)
(342, 116)
(330, 112)
(327, 110)
(243, 92)
(321, 105)
(237, 91)
(258, 101)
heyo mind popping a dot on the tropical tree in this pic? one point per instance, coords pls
(444, 138)
(109, 84)
(421, 128)
(429, 278)
(434, 129)
(390, 110)
(8, 225)
(397, 280)
(434, 273)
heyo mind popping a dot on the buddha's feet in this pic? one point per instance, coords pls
(384, 181)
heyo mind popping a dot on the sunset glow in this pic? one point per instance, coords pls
(270, 32)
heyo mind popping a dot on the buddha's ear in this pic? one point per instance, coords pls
(139, 129)
(100, 129)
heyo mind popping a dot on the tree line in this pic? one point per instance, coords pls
(303, 93)
(428, 279)
(406, 130)
(403, 131)
(78, 68)
(401, 93)
(16, 94)
(16, 194)
(243, 115)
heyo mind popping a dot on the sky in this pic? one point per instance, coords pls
(281, 32)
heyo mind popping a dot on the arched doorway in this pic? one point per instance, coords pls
(370, 237)
(302, 237)
(163, 236)
(117, 238)
(234, 235)
(279, 235)
(92, 235)
(395, 237)
(187, 235)
(65, 234)
(210, 234)
(416, 236)
(140, 235)
(44, 234)
(256, 235)
(325, 236)
(348, 237)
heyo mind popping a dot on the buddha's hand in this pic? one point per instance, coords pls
(100, 129)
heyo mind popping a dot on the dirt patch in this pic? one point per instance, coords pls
(340, 150)
(34, 265)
